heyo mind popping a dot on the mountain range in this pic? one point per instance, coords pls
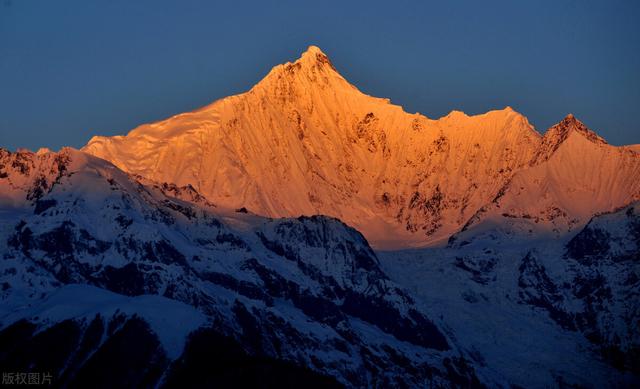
(305, 233)
(304, 141)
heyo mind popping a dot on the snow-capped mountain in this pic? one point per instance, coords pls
(94, 258)
(193, 251)
(304, 141)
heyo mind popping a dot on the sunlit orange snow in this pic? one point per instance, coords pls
(305, 141)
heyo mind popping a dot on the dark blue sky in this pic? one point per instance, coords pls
(72, 69)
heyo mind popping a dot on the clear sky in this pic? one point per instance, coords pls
(70, 69)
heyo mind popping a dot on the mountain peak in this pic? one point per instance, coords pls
(571, 124)
(312, 69)
(314, 55)
(313, 50)
(559, 133)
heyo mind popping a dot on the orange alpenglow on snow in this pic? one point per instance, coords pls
(305, 141)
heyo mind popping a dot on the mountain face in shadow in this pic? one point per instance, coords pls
(108, 259)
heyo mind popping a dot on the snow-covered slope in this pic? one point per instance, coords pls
(543, 313)
(305, 141)
(607, 258)
(82, 336)
(306, 292)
